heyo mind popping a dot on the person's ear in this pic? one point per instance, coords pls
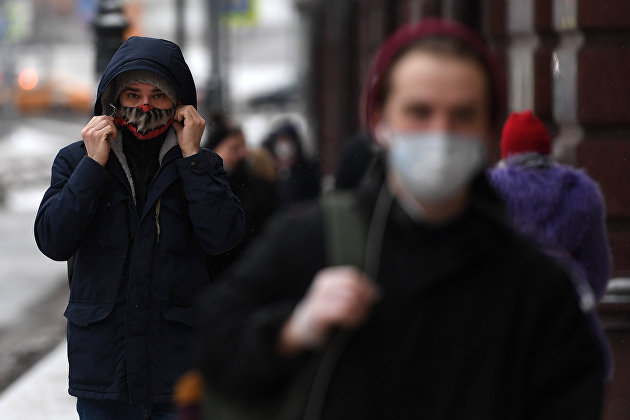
(377, 127)
(380, 130)
(382, 135)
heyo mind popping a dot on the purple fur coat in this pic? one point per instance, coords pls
(559, 207)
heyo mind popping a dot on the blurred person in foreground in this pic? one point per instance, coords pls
(354, 160)
(298, 176)
(251, 175)
(463, 318)
(138, 204)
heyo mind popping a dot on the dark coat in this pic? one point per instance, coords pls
(354, 160)
(130, 319)
(258, 198)
(473, 323)
(299, 183)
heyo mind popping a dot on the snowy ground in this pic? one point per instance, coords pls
(26, 154)
(41, 393)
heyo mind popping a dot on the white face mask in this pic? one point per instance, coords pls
(435, 165)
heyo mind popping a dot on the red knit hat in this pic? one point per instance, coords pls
(524, 132)
(412, 32)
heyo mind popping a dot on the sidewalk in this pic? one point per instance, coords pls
(42, 392)
(33, 288)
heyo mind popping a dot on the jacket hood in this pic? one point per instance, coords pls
(158, 56)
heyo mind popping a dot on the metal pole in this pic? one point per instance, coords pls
(215, 89)
(179, 23)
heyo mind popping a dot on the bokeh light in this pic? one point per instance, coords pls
(28, 78)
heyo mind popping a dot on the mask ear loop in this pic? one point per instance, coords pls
(112, 110)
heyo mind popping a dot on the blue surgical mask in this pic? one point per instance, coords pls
(433, 166)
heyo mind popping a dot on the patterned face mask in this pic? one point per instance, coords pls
(145, 122)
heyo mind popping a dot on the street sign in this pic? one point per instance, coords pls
(240, 12)
(15, 21)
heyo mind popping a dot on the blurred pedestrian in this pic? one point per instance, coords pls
(558, 206)
(453, 315)
(248, 173)
(138, 204)
(298, 176)
(251, 175)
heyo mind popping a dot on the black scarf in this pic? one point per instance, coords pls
(143, 157)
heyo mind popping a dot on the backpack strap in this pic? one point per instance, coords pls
(345, 230)
(345, 233)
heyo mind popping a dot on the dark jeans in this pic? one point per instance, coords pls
(89, 409)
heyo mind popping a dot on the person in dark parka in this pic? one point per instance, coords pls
(457, 316)
(137, 204)
(298, 176)
(256, 192)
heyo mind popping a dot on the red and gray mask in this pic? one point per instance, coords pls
(145, 121)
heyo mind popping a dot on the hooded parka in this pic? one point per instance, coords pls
(130, 319)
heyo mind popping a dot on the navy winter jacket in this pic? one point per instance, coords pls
(130, 318)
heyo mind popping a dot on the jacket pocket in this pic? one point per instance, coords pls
(86, 313)
(184, 315)
(175, 335)
(175, 229)
(95, 345)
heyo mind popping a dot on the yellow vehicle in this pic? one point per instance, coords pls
(29, 95)
(32, 95)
